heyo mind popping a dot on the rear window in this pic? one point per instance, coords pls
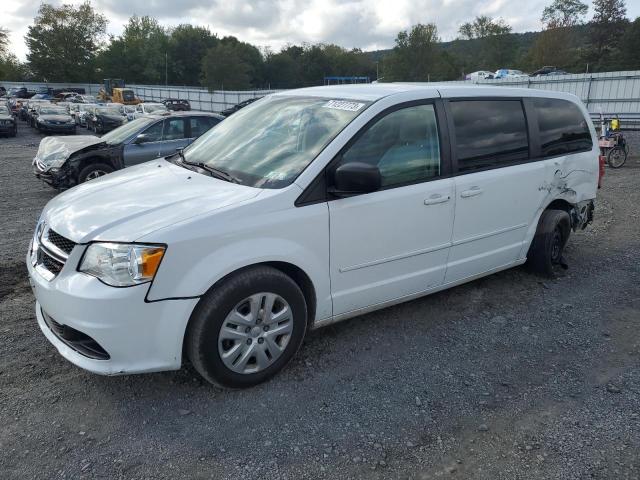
(489, 133)
(563, 128)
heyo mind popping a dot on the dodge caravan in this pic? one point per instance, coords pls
(305, 208)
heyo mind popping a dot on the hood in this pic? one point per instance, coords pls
(55, 118)
(63, 147)
(128, 204)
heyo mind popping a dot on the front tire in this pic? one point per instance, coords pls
(93, 171)
(245, 330)
(549, 241)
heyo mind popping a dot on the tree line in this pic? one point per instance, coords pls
(69, 44)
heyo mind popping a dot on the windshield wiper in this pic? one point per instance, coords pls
(214, 172)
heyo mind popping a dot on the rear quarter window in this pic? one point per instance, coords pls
(562, 126)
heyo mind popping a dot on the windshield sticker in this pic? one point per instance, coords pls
(275, 175)
(343, 105)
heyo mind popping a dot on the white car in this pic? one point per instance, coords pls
(479, 75)
(508, 73)
(148, 108)
(306, 208)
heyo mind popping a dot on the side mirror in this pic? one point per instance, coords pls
(356, 177)
(140, 139)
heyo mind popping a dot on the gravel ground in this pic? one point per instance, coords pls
(508, 377)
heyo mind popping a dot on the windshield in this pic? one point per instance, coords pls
(269, 143)
(154, 108)
(120, 134)
(52, 111)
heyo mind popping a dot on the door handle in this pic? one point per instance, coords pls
(436, 198)
(472, 192)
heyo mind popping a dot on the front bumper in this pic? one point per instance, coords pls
(8, 128)
(55, 179)
(48, 127)
(138, 336)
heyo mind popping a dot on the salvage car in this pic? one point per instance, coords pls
(43, 96)
(128, 111)
(84, 110)
(149, 108)
(479, 75)
(308, 207)
(105, 118)
(8, 123)
(52, 118)
(177, 105)
(64, 162)
(20, 92)
(32, 110)
(509, 73)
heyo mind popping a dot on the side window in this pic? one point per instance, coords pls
(489, 133)
(563, 128)
(139, 108)
(173, 129)
(403, 144)
(199, 125)
(153, 133)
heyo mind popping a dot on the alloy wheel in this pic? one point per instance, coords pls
(95, 174)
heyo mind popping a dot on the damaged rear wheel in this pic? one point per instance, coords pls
(549, 241)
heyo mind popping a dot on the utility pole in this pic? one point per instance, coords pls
(166, 78)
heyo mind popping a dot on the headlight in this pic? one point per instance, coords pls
(122, 265)
(55, 160)
(35, 243)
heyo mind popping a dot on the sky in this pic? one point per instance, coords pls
(365, 24)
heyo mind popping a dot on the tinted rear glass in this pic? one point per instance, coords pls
(563, 128)
(489, 133)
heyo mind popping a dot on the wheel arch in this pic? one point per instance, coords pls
(297, 274)
(77, 164)
(559, 204)
(553, 204)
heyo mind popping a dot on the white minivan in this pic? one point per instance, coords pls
(305, 208)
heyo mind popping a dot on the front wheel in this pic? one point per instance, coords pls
(93, 171)
(616, 157)
(245, 330)
(549, 241)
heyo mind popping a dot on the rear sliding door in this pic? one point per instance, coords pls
(498, 186)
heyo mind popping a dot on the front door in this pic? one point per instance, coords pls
(174, 136)
(145, 149)
(394, 242)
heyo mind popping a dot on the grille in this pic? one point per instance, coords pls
(61, 242)
(50, 263)
(80, 342)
